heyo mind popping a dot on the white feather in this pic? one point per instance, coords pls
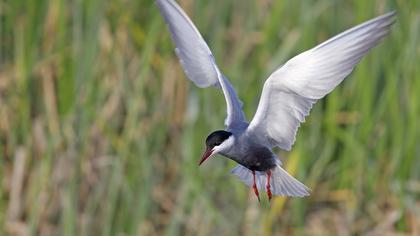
(198, 61)
(281, 183)
(290, 92)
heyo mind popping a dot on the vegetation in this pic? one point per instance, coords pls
(100, 131)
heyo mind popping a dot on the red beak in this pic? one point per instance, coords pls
(206, 155)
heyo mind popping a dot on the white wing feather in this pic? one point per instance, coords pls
(198, 61)
(290, 92)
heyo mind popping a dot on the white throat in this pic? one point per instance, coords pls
(226, 146)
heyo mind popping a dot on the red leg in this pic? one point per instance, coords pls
(268, 187)
(254, 186)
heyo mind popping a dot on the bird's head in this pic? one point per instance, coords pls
(216, 142)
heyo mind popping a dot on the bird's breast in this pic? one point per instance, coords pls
(253, 157)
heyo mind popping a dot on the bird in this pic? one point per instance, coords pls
(286, 99)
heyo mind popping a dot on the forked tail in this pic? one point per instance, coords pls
(281, 183)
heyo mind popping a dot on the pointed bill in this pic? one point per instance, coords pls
(208, 153)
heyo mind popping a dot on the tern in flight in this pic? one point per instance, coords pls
(286, 99)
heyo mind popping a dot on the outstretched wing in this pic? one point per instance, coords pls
(290, 92)
(198, 61)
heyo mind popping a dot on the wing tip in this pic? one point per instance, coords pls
(391, 13)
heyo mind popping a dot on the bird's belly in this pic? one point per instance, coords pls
(257, 159)
(260, 166)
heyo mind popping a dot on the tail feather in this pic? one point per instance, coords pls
(281, 182)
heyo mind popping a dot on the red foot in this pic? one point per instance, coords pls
(254, 186)
(268, 187)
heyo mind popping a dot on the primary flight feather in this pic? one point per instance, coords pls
(287, 97)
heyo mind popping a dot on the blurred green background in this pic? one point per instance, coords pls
(101, 132)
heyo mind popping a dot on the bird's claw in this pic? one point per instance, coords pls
(268, 186)
(254, 186)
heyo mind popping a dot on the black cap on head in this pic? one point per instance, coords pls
(216, 138)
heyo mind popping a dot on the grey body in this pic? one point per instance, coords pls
(252, 155)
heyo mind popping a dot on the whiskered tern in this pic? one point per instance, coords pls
(286, 99)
